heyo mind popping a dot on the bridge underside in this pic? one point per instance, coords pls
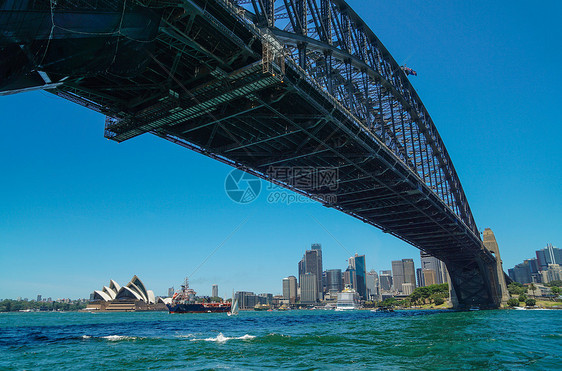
(202, 80)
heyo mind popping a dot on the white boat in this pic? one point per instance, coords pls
(234, 307)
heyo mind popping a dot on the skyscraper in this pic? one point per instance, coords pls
(548, 255)
(334, 282)
(357, 262)
(385, 281)
(309, 288)
(409, 272)
(431, 263)
(403, 271)
(171, 292)
(372, 283)
(419, 276)
(215, 291)
(350, 278)
(397, 274)
(290, 289)
(312, 263)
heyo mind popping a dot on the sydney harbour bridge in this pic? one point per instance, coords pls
(262, 85)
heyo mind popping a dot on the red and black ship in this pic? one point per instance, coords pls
(183, 301)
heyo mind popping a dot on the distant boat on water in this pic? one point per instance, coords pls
(234, 307)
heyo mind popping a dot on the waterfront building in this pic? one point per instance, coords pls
(373, 289)
(246, 299)
(334, 283)
(357, 263)
(38, 297)
(290, 289)
(312, 263)
(548, 255)
(265, 299)
(385, 281)
(309, 288)
(286, 288)
(215, 291)
(133, 296)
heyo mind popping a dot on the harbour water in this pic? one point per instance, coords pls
(501, 339)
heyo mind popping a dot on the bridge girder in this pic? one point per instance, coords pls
(260, 84)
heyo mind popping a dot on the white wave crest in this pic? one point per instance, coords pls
(118, 337)
(220, 338)
(86, 337)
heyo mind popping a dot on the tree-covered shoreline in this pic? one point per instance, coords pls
(10, 305)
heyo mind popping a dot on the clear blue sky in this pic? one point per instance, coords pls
(77, 209)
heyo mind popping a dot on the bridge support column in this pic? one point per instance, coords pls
(491, 245)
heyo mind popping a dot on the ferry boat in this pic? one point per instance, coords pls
(183, 301)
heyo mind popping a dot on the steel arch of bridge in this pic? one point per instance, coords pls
(256, 83)
(340, 52)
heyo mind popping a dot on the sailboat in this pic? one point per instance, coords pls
(234, 307)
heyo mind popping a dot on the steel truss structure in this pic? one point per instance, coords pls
(282, 89)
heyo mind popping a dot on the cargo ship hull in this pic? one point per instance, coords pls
(199, 308)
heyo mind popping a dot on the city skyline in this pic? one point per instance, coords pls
(75, 206)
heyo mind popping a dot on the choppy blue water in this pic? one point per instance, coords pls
(433, 340)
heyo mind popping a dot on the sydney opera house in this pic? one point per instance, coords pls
(131, 297)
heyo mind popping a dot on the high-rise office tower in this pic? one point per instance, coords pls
(334, 282)
(357, 262)
(397, 275)
(548, 255)
(309, 288)
(372, 283)
(171, 292)
(290, 289)
(312, 263)
(419, 276)
(385, 281)
(350, 278)
(403, 271)
(215, 291)
(409, 272)
(431, 263)
(286, 289)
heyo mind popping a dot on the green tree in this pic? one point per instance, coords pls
(555, 291)
(530, 302)
(438, 300)
(513, 302)
(515, 288)
(532, 288)
(556, 283)
(522, 297)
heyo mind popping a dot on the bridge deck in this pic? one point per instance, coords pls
(208, 79)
